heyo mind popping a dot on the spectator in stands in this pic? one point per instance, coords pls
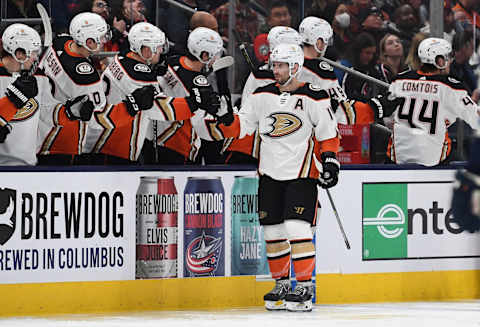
(365, 17)
(126, 13)
(363, 57)
(341, 32)
(278, 15)
(392, 59)
(464, 12)
(405, 24)
(448, 22)
(246, 21)
(412, 60)
(460, 67)
(21, 9)
(324, 9)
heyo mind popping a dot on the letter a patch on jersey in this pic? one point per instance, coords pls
(299, 104)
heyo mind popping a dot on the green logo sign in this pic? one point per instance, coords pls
(385, 222)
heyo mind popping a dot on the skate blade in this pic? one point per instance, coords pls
(275, 305)
(299, 306)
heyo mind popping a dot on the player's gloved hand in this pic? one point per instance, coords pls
(466, 201)
(225, 114)
(79, 108)
(331, 167)
(22, 89)
(204, 98)
(4, 131)
(140, 99)
(383, 106)
(160, 69)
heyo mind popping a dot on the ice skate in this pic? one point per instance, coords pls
(300, 299)
(275, 299)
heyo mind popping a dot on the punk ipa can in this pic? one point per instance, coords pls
(157, 228)
(204, 227)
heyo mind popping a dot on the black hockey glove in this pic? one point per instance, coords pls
(466, 201)
(140, 99)
(22, 89)
(226, 116)
(383, 106)
(204, 98)
(160, 69)
(79, 108)
(4, 131)
(331, 167)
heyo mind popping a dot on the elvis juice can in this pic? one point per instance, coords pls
(204, 227)
(156, 228)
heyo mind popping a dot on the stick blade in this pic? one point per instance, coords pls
(222, 63)
(46, 25)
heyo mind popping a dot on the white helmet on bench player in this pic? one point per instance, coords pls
(283, 34)
(314, 28)
(202, 40)
(432, 48)
(147, 35)
(20, 36)
(89, 25)
(291, 54)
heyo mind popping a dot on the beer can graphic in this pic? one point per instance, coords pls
(156, 228)
(248, 246)
(204, 227)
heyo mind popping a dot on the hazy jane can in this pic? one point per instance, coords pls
(248, 246)
(204, 227)
(157, 228)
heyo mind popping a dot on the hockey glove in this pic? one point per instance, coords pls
(383, 106)
(466, 201)
(140, 99)
(204, 98)
(160, 69)
(4, 131)
(21, 90)
(225, 114)
(331, 167)
(80, 108)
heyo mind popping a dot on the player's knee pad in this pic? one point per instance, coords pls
(298, 230)
(276, 239)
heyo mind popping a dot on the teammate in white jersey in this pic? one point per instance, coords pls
(427, 102)
(68, 65)
(28, 107)
(297, 128)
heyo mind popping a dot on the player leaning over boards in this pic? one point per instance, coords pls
(427, 101)
(296, 124)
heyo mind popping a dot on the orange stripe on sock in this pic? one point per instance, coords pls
(303, 268)
(279, 267)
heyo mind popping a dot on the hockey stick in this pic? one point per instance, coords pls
(338, 219)
(47, 41)
(222, 63)
(246, 56)
(355, 72)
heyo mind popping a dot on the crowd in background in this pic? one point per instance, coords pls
(376, 37)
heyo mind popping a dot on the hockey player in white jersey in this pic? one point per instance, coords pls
(179, 142)
(245, 150)
(426, 102)
(28, 107)
(297, 127)
(120, 134)
(67, 62)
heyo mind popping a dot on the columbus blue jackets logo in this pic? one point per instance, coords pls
(8, 200)
(203, 254)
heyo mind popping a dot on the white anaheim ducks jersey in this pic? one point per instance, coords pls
(29, 124)
(73, 76)
(122, 76)
(428, 105)
(288, 124)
